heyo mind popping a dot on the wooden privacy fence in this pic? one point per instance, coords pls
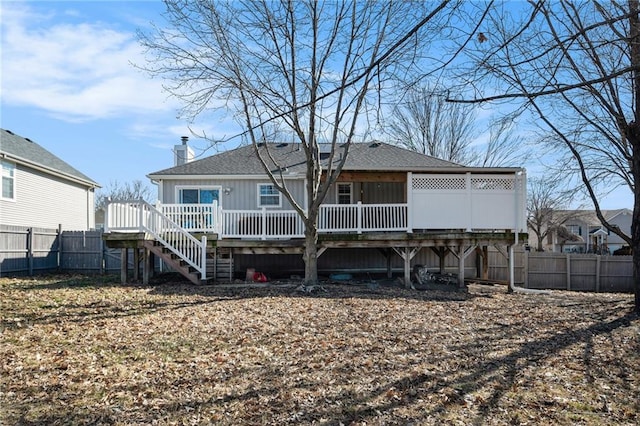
(28, 251)
(565, 271)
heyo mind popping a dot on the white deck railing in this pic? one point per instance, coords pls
(263, 224)
(194, 217)
(140, 216)
(362, 217)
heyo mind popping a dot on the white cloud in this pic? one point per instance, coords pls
(75, 72)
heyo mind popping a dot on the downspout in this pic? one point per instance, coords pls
(160, 190)
(518, 182)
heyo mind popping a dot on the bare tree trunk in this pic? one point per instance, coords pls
(633, 136)
(310, 253)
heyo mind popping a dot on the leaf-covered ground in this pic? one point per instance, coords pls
(78, 350)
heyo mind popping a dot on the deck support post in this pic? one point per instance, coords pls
(147, 266)
(441, 252)
(386, 252)
(136, 264)
(461, 252)
(407, 253)
(124, 265)
(482, 262)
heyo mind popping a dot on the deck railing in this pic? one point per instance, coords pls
(362, 217)
(194, 217)
(265, 224)
(140, 216)
(262, 224)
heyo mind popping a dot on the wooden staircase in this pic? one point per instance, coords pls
(222, 264)
(175, 262)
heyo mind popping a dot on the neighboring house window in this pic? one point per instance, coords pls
(575, 229)
(198, 195)
(8, 181)
(344, 193)
(268, 196)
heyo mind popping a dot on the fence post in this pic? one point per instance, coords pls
(359, 216)
(264, 223)
(598, 260)
(103, 257)
(568, 271)
(30, 250)
(59, 254)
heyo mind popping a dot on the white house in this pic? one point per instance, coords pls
(588, 234)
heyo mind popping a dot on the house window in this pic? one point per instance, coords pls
(575, 229)
(268, 196)
(8, 181)
(345, 193)
(198, 195)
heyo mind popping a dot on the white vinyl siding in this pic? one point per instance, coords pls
(47, 201)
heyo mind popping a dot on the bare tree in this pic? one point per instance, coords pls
(133, 190)
(314, 70)
(504, 148)
(425, 122)
(545, 198)
(575, 66)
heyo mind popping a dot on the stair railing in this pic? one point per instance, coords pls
(138, 215)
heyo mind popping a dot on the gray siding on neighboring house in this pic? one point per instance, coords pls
(46, 201)
(243, 195)
(623, 220)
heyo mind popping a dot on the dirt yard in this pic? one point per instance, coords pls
(78, 350)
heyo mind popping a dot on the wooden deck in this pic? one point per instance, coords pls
(405, 245)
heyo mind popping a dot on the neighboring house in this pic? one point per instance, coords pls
(41, 190)
(584, 233)
(387, 199)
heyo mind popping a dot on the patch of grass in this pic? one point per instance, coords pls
(86, 350)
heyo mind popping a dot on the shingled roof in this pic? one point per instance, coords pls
(375, 156)
(25, 151)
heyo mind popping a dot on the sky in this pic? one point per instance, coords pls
(68, 81)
